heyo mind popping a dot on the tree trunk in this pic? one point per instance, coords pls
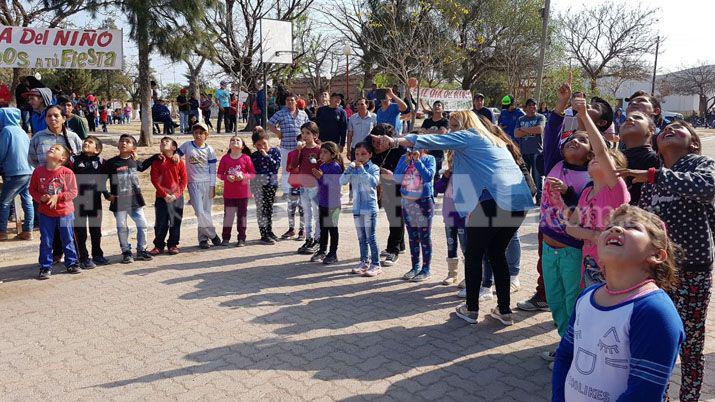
(144, 49)
(593, 85)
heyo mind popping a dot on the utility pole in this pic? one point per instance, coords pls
(542, 48)
(655, 65)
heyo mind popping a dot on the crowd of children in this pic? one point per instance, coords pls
(612, 271)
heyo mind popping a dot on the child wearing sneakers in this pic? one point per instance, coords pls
(294, 204)
(415, 171)
(307, 160)
(53, 187)
(126, 198)
(266, 162)
(91, 185)
(236, 170)
(364, 177)
(169, 179)
(328, 176)
(200, 160)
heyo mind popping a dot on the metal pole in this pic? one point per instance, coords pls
(347, 78)
(542, 47)
(265, 96)
(655, 66)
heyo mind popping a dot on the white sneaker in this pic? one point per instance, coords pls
(514, 283)
(361, 268)
(462, 293)
(485, 294)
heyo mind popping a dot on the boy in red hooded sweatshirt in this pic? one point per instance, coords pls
(53, 187)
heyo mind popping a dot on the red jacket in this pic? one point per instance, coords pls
(50, 182)
(168, 177)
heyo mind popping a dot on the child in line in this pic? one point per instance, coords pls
(53, 187)
(364, 177)
(566, 160)
(169, 179)
(200, 160)
(636, 134)
(91, 185)
(606, 193)
(623, 337)
(453, 223)
(236, 170)
(415, 171)
(682, 193)
(328, 176)
(266, 162)
(126, 199)
(304, 163)
(293, 208)
(103, 117)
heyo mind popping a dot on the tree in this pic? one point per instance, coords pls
(608, 36)
(698, 80)
(234, 28)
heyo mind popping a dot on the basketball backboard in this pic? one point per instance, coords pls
(276, 41)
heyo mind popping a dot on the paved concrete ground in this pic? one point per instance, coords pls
(262, 323)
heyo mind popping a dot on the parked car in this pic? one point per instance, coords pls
(672, 116)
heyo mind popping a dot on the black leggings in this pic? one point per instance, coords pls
(489, 230)
(329, 227)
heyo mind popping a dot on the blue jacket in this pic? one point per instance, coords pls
(480, 166)
(426, 167)
(14, 144)
(364, 180)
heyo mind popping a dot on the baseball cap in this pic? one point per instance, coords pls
(530, 101)
(478, 95)
(223, 83)
(507, 100)
(202, 126)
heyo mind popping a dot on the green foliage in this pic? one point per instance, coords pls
(171, 91)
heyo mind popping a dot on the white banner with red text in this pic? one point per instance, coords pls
(453, 99)
(35, 47)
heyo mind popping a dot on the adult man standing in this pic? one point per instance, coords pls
(74, 122)
(479, 109)
(286, 124)
(509, 115)
(529, 130)
(332, 121)
(389, 111)
(359, 126)
(184, 110)
(223, 102)
(372, 94)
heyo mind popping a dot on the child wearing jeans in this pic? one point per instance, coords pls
(169, 179)
(126, 198)
(201, 161)
(53, 187)
(236, 170)
(623, 336)
(364, 177)
(266, 162)
(87, 168)
(294, 203)
(328, 176)
(305, 162)
(415, 170)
